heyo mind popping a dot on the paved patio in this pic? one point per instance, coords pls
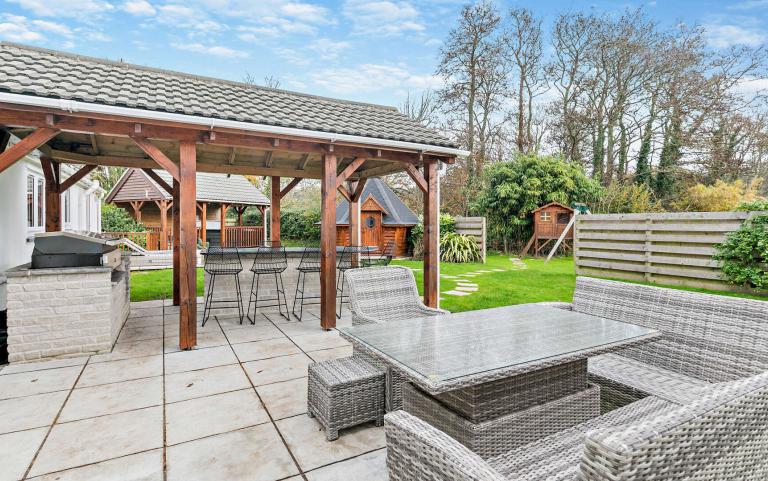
(233, 409)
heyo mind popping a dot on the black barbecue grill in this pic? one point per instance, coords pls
(73, 249)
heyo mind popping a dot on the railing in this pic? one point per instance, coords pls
(138, 238)
(243, 236)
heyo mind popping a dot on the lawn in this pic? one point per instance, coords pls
(504, 283)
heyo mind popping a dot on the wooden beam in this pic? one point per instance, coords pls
(74, 178)
(232, 155)
(52, 173)
(223, 223)
(268, 158)
(303, 162)
(431, 247)
(187, 246)
(414, 174)
(328, 243)
(358, 190)
(345, 193)
(137, 205)
(176, 247)
(290, 186)
(157, 155)
(25, 146)
(349, 170)
(94, 144)
(274, 226)
(163, 205)
(159, 180)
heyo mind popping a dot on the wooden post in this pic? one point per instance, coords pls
(223, 222)
(203, 223)
(187, 246)
(137, 205)
(52, 173)
(264, 223)
(163, 206)
(176, 228)
(354, 217)
(274, 230)
(327, 242)
(431, 223)
(240, 212)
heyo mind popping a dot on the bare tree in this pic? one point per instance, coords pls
(423, 109)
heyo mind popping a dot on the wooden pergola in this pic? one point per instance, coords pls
(78, 132)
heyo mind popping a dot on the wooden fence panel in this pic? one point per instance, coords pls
(475, 228)
(668, 248)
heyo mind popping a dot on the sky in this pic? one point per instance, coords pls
(366, 50)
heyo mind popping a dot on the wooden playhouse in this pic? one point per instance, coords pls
(549, 223)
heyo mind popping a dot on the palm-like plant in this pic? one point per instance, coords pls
(458, 248)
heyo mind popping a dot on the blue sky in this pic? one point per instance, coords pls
(367, 50)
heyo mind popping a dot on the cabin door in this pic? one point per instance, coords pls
(370, 228)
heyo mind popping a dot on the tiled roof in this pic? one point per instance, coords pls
(229, 189)
(396, 212)
(47, 73)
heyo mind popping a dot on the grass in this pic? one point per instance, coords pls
(554, 281)
(157, 284)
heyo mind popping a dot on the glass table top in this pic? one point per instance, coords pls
(451, 346)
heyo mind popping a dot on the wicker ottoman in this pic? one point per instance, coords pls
(343, 393)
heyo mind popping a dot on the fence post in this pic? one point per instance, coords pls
(647, 248)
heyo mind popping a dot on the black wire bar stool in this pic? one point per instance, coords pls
(351, 257)
(222, 261)
(270, 261)
(384, 257)
(309, 264)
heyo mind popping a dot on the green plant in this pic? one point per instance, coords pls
(744, 254)
(117, 219)
(626, 198)
(757, 204)
(458, 248)
(447, 225)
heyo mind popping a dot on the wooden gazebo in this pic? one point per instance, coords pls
(142, 193)
(87, 111)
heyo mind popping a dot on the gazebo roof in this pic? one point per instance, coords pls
(47, 73)
(135, 185)
(395, 211)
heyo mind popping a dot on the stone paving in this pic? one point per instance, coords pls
(233, 409)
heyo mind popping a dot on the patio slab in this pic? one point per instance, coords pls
(233, 408)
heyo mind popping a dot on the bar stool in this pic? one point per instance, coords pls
(351, 257)
(222, 261)
(384, 257)
(271, 261)
(309, 264)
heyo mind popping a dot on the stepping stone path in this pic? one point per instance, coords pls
(517, 264)
(456, 293)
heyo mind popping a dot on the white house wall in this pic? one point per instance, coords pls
(16, 238)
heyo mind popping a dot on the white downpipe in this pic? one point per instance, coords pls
(209, 123)
(439, 175)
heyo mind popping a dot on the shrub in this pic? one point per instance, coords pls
(758, 204)
(447, 225)
(744, 254)
(458, 248)
(300, 224)
(718, 197)
(117, 219)
(626, 198)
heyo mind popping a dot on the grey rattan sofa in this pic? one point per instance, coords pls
(706, 339)
(382, 294)
(722, 436)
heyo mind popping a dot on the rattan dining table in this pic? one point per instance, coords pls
(498, 378)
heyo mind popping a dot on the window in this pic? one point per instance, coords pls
(563, 218)
(35, 201)
(88, 212)
(545, 217)
(67, 201)
(370, 222)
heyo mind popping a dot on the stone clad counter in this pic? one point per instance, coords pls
(65, 312)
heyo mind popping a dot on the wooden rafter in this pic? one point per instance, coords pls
(303, 162)
(290, 186)
(25, 146)
(94, 144)
(157, 155)
(50, 172)
(345, 193)
(74, 178)
(414, 174)
(358, 191)
(349, 170)
(232, 155)
(268, 158)
(159, 180)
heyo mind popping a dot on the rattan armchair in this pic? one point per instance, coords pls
(719, 437)
(383, 294)
(706, 339)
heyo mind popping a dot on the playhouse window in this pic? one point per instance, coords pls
(563, 218)
(545, 217)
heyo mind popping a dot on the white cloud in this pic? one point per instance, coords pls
(215, 50)
(749, 4)
(368, 78)
(386, 17)
(433, 42)
(328, 49)
(65, 8)
(293, 56)
(750, 86)
(52, 27)
(723, 36)
(139, 7)
(18, 32)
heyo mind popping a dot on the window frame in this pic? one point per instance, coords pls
(545, 216)
(35, 222)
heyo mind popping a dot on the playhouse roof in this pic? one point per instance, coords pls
(551, 204)
(395, 211)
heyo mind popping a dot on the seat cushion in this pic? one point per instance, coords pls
(636, 379)
(557, 457)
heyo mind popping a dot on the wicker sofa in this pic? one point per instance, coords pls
(706, 339)
(721, 436)
(383, 294)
